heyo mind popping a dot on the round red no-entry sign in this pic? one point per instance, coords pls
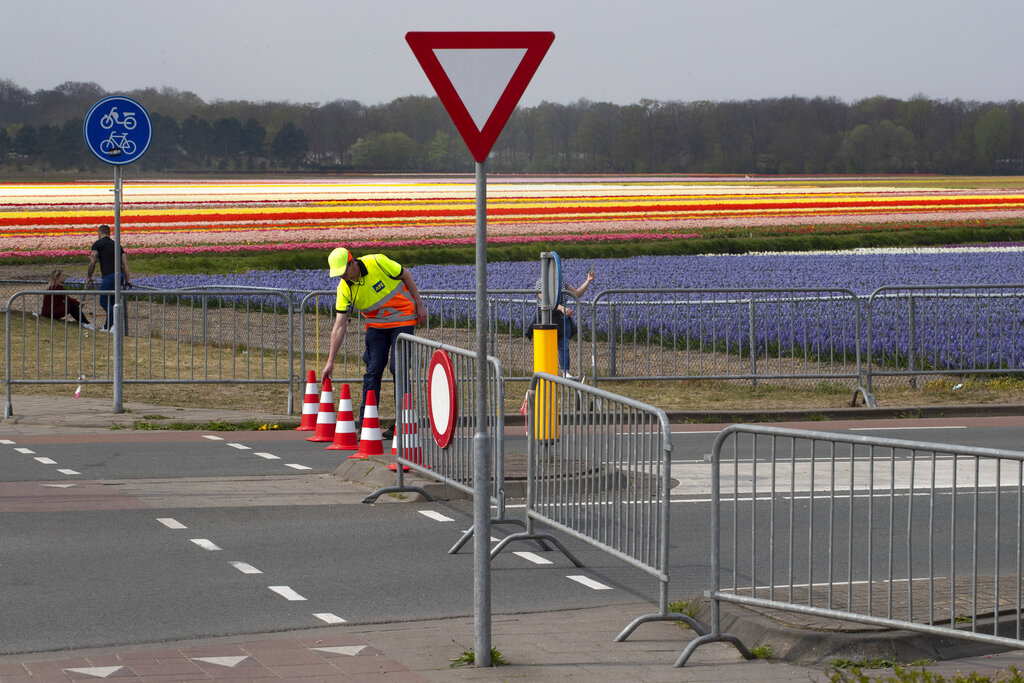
(444, 402)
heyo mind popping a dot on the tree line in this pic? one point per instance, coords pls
(42, 131)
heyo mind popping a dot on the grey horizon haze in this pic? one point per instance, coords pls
(317, 51)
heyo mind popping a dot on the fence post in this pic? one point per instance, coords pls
(911, 356)
(613, 334)
(751, 339)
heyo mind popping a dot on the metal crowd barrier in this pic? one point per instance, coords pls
(451, 321)
(171, 337)
(897, 534)
(598, 470)
(415, 446)
(745, 334)
(943, 330)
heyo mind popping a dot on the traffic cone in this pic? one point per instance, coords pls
(345, 430)
(310, 405)
(325, 418)
(407, 431)
(370, 440)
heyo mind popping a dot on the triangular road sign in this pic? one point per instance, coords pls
(480, 76)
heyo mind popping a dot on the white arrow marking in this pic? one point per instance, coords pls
(240, 446)
(268, 456)
(25, 451)
(229, 662)
(436, 516)
(329, 618)
(171, 523)
(347, 650)
(245, 568)
(286, 593)
(296, 466)
(532, 557)
(96, 671)
(590, 583)
(205, 543)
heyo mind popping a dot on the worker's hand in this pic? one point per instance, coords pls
(326, 374)
(421, 313)
(568, 311)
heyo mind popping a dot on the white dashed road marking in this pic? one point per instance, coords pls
(286, 593)
(69, 472)
(590, 583)
(329, 618)
(296, 466)
(205, 543)
(267, 456)
(211, 437)
(25, 451)
(532, 557)
(245, 568)
(436, 516)
(240, 446)
(45, 461)
(171, 523)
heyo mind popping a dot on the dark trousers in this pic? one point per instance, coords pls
(107, 301)
(380, 354)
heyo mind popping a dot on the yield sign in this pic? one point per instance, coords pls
(479, 76)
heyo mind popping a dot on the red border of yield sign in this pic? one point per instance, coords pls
(423, 44)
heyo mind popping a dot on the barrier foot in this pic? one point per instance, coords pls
(372, 498)
(712, 638)
(526, 536)
(469, 534)
(869, 398)
(697, 627)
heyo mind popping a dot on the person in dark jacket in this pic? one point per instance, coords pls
(58, 306)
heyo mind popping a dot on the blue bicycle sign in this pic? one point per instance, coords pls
(117, 130)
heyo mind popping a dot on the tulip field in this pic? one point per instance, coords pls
(55, 220)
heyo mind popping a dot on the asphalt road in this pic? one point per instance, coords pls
(85, 564)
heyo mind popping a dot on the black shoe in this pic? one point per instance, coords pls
(388, 433)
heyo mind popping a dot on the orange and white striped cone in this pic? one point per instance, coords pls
(345, 430)
(407, 430)
(325, 418)
(370, 440)
(310, 405)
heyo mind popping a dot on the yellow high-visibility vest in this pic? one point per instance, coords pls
(380, 295)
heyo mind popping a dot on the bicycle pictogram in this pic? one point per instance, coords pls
(111, 118)
(118, 141)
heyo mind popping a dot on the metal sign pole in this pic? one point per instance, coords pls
(117, 326)
(481, 443)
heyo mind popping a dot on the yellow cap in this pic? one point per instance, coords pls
(338, 261)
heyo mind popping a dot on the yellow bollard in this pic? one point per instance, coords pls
(545, 359)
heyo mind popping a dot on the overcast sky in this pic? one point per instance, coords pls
(618, 51)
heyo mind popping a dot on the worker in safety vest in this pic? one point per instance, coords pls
(386, 294)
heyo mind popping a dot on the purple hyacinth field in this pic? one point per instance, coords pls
(950, 325)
